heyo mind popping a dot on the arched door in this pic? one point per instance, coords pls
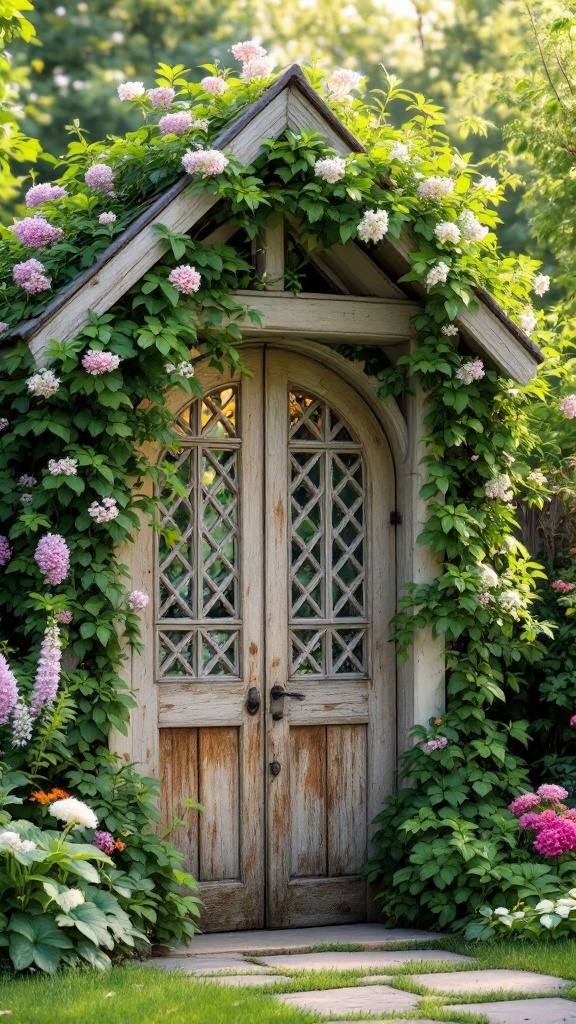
(275, 588)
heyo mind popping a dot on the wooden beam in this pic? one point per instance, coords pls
(269, 253)
(341, 317)
(354, 268)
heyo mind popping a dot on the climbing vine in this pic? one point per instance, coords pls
(74, 434)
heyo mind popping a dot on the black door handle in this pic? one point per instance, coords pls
(278, 691)
(253, 701)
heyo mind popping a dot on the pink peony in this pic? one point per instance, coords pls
(100, 177)
(53, 558)
(248, 50)
(552, 792)
(100, 362)
(130, 90)
(47, 673)
(161, 98)
(35, 232)
(104, 841)
(556, 839)
(43, 193)
(5, 551)
(524, 802)
(186, 279)
(138, 600)
(8, 691)
(568, 406)
(214, 85)
(204, 161)
(106, 218)
(259, 67)
(177, 123)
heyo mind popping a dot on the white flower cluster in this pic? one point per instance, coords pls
(488, 578)
(74, 811)
(435, 188)
(487, 183)
(373, 226)
(330, 169)
(470, 371)
(43, 383)
(63, 467)
(448, 231)
(537, 478)
(511, 601)
(450, 330)
(10, 842)
(105, 512)
(184, 369)
(499, 487)
(528, 321)
(437, 275)
(341, 83)
(400, 151)
(541, 284)
(471, 228)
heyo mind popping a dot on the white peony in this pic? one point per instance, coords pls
(75, 812)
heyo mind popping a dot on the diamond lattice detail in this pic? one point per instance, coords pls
(348, 571)
(219, 413)
(176, 561)
(308, 508)
(219, 534)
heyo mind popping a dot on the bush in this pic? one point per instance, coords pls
(549, 919)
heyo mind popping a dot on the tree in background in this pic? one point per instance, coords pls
(15, 145)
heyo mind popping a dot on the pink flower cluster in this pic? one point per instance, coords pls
(556, 838)
(27, 481)
(65, 618)
(259, 67)
(8, 691)
(44, 383)
(341, 83)
(100, 177)
(177, 123)
(185, 278)
(130, 90)
(105, 512)
(214, 84)
(541, 284)
(3, 326)
(43, 193)
(138, 600)
(53, 558)
(104, 841)
(35, 232)
(107, 218)
(100, 362)
(470, 371)
(248, 50)
(528, 321)
(437, 274)
(31, 276)
(436, 744)
(63, 467)
(568, 406)
(161, 98)
(562, 587)
(5, 551)
(555, 827)
(47, 672)
(204, 161)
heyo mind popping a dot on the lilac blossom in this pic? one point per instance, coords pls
(100, 177)
(8, 691)
(35, 232)
(47, 672)
(63, 467)
(53, 558)
(65, 617)
(104, 841)
(5, 551)
(107, 218)
(436, 744)
(43, 193)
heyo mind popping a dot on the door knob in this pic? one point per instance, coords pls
(253, 701)
(278, 691)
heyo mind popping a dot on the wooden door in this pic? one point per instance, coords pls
(282, 582)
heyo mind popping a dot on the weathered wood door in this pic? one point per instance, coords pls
(276, 680)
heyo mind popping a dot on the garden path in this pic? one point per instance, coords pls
(368, 969)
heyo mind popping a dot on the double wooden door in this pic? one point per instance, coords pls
(275, 588)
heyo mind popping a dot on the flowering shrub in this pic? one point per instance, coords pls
(549, 919)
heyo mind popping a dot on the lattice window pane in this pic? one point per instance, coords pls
(307, 418)
(177, 559)
(308, 508)
(348, 572)
(308, 652)
(219, 413)
(219, 533)
(220, 653)
(348, 656)
(177, 653)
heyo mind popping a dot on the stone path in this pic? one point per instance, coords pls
(265, 958)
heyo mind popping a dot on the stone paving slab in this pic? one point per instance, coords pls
(401, 1020)
(360, 961)
(371, 936)
(524, 1011)
(470, 982)
(205, 964)
(244, 980)
(372, 999)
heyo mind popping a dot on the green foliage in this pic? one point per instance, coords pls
(548, 919)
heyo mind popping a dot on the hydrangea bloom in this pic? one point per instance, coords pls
(4, 423)
(568, 406)
(25, 499)
(65, 618)
(53, 558)
(100, 177)
(43, 383)
(184, 369)
(74, 811)
(138, 600)
(100, 362)
(488, 183)
(12, 843)
(511, 601)
(537, 478)
(437, 274)
(435, 188)
(107, 218)
(37, 283)
(204, 161)
(373, 226)
(105, 512)
(248, 50)
(556, 839)
(499, 487)
(562, 587)
(27, 481)
(447, 231)
(450, 330)
(47, 672)
(488, 578)
(43, 193)
(259, 67)
(400, 151)
(541, 284)
(8, 691)
(161, 98)
(523, 803)
(484, 598)
(185, 278)
(104, 841)
(35, 232)
(177, 123)
(63, 467)
(530, 821)
(470, 371)
(551, 792)
(214, 84)
(5, 551)
(30, 276)
(528, 321)
(436, 744)
(330, 168)
(130, 90)
(341, 83)
(471, 228)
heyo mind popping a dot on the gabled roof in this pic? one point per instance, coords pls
(289, 103)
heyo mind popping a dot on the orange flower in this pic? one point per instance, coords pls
(46, 798)
(40, 797)
(119, 845)
(58, 794)
(437, 721)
